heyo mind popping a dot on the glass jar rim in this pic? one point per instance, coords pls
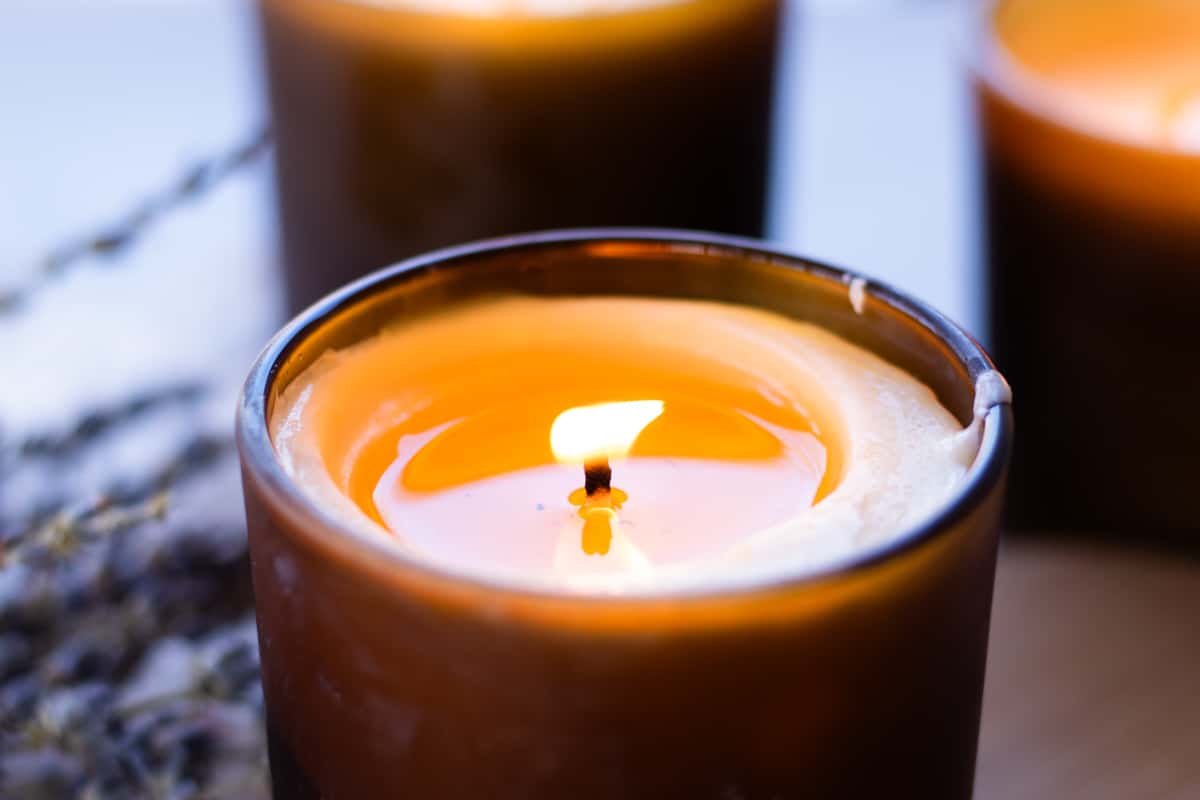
(990, 64)
(261, 462)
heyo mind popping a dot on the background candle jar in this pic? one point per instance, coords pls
(1090, 113)
(386, 673)
(406, 125)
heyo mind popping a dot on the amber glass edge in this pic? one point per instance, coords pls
(266, 475)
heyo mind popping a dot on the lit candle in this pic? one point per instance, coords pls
(404, 125)
(516, 439)
(591, 435)
(1091, 120)
(559, 543)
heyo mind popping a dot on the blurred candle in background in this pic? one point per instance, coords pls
(1090, 113)
(405, 125)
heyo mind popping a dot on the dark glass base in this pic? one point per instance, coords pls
(288, 781)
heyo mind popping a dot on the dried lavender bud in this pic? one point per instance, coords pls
(16, 655)
(83, 658)
(18, 700)
(235, 671)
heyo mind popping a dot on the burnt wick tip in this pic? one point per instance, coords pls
(597, 476)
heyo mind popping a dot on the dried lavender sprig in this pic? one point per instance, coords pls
(223, 681)
(63, 536)
(169, 737)
(123, 750)
(97, 630)
(121, 508)
(113, 239)
(93, 425)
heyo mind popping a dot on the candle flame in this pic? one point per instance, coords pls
(605, 430)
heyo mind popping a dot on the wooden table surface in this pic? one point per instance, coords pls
(1095, 658)
(1092, 688)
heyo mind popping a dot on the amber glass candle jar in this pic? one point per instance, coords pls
(1090, 116)
(386, 675)
(406, 125)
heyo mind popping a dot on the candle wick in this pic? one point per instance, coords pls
(597, 476)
